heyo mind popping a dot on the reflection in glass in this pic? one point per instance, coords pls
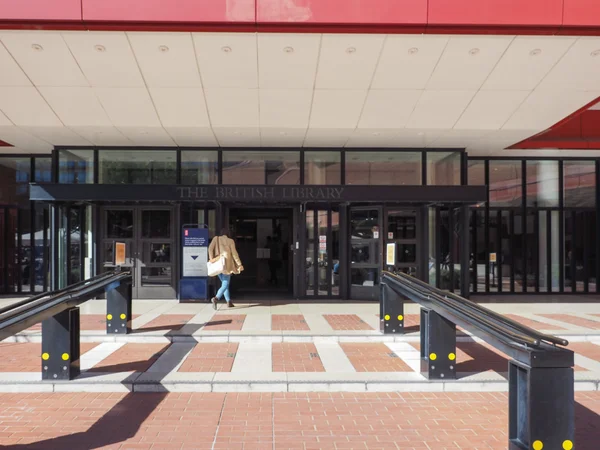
(261, 167)
(119, 223)
(402, 225)
(76, 166)
(137, 166)
(322, 168)
(383, 168)
(310, 253)
(75, 251)
(579, 181)
(156, 276)
(406, 253)
(476, 173)
(364, 224)
(323, 256)
(364, 276)
(506, 187)
(199, 167)
(157, 252)
(156, 223)
(335, 249)
(443, 168)
(24, 251)
(43, 170)
(364, 252)
(542, 183)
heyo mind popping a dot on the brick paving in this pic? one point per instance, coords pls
(574, 320)
(296, 357)
(288, 322)
(167, 322)
(281, 421)
(210, 357)
(230, 322)
(374, 357)
(26, 356)
(346, 322)
(587, 349)
(535, 324)
(131, 358)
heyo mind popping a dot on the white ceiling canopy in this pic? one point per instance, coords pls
(483, 93)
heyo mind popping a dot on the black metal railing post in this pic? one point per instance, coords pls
(438, 346)
(391, 311)
(541, 407)
(118, 309)
(60, 346)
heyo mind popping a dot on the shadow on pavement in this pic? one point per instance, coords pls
(587, 428)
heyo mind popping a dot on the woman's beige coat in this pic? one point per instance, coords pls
(233, 265)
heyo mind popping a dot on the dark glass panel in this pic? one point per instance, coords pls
(261, 167)
(119, 224)
(322, 167)
(505, 187)
(76, 166)
(156, 224)
(579, 181)
(542, 183)
(137, 166)
(383, 168)
(199, 167)
(443, 168)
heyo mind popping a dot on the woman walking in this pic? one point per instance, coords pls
(223, 245)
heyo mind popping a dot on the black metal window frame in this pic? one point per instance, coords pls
(301, 151)
(526, 211)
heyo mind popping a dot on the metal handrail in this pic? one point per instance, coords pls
(19, 317)
(501, 326)
(51, 293)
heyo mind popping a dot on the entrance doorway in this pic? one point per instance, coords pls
(264, 239)
(149, 233)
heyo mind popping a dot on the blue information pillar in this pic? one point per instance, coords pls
(193, 285)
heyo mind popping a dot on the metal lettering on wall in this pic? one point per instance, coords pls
(260, 193)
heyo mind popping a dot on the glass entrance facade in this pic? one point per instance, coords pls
(534, 232)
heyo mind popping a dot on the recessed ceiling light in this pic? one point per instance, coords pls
(226, 49)
(535, 52)
(412, 51)
(163, 48)
(288, 49)
(473, 51)
(351, 50)
(595, 52)
(37, 47)
(100, 48)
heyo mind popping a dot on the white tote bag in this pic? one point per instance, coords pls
(216, 265)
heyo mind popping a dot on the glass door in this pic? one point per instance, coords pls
(365, 253)
(149, 234)
(402, 235)
(322, 252)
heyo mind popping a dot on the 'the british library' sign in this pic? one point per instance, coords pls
(52, 192)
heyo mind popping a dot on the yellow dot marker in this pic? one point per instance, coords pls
(122, 316)
(387, 317)
(538, 445)
(400, 317)
(65, 356)
(109, 316)
(567, 445)
(451, 356)
(45, 356)
(433, 356)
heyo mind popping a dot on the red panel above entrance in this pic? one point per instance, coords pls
(372, 12)
(182, 11)
(577, 17)
(41, 10)
(496, 12)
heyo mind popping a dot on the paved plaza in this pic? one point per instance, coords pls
(278, 375)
